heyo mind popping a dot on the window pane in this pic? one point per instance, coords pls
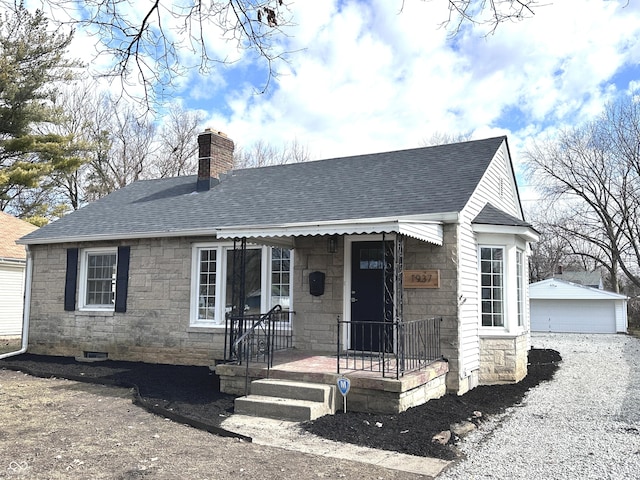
(101, 279)
(491, 286)
(280, 279)
(207, 287)
(252, 281)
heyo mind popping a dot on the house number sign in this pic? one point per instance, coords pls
(421, 279)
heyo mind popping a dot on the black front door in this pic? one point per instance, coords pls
(370, 305)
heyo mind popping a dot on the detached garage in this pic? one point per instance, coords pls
(560, 306)
(12, 265)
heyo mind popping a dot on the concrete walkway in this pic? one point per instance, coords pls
(289, 436)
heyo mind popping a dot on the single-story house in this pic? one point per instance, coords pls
(401, 260)
(561, 306)
(12, 269)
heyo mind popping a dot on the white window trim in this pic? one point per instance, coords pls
(82, 288)
(510, 244)
(505, 293)
(221, 282)
(520, 291)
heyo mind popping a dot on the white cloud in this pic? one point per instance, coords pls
(366, 77)
(373, 79)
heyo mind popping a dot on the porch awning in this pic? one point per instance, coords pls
(284, 234)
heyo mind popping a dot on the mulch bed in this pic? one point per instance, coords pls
(192, 395)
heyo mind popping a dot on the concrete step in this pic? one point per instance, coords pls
(287, 400)
(314, 392)
(280, 408)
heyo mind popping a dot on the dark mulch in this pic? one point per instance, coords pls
(192, 395)
(411, 431)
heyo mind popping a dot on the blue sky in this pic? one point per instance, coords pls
(367, 78)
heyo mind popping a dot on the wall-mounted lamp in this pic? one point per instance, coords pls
(332, 244)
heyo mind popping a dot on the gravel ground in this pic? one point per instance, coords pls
(583, 424)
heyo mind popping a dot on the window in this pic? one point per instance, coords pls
(281, 278)
(98, 279)
(492, 286)
(252, 281)
(520, 287)
(207, 285)
(266, 270)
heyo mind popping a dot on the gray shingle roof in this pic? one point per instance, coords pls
(491, 215)
(418, 181)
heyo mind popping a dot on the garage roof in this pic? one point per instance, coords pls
(554, 288)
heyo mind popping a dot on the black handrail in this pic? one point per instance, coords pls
(242, 345)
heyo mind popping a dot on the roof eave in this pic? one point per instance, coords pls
(118, 236)
(526, 233)
(444, 217)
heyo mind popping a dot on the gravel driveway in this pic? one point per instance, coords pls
(583, 424)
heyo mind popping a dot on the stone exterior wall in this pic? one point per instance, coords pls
(440, 302)
(503, 360)
(315, 322)
(155, 327)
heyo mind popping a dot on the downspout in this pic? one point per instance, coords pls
(26, 310)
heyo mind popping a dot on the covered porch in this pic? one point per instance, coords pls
(385, 380)
(353, 324)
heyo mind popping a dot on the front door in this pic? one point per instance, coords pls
(370, 304)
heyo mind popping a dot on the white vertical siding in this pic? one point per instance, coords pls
(498, 188)
(11, 299)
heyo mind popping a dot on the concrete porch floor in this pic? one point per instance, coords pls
(370, 391)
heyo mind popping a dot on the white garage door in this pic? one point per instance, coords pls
(577, 316)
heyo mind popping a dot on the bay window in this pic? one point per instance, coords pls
(501, 275)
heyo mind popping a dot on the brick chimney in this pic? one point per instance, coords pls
(215, 157)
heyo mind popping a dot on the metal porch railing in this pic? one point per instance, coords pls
(390, 348)
(254, 338)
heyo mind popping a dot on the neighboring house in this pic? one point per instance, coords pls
(561, 306)
(581, 277)
(366, 250)
(12, 266)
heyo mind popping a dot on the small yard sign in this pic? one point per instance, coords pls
(421, 279)
(344, 384)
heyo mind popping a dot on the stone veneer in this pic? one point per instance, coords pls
(368, 393)
(503, 359)
(155, 327)
(315, 322)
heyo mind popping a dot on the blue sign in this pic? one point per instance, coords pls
(344, 384)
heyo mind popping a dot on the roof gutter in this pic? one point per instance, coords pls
(26, 310)
(118, 236)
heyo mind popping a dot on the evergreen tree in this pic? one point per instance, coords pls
(32, 67)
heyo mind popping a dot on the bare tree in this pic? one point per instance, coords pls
(155, 42)
(488, 13)
(124, 145)
(262, 154)
(177, 151)
(445, 138)
(593, 174)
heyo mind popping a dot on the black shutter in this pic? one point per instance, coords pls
(122, 279)
(71, 280)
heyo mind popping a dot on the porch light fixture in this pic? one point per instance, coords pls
(332, 244)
